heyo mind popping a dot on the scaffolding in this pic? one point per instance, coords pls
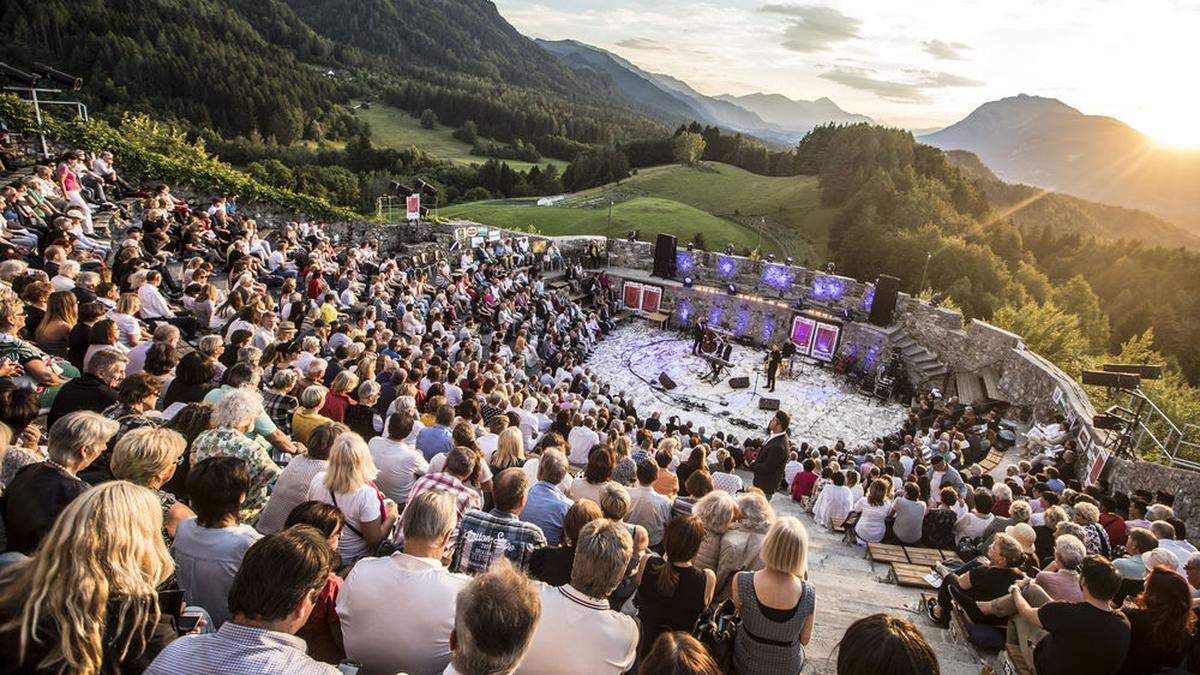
(1148, 433)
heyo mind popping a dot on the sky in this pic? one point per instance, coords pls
(911, 64)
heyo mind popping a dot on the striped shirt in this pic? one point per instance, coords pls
(238, 650)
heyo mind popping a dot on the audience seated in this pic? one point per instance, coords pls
(353, 454)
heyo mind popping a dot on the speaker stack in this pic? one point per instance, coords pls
(884, 304)
(664, 256)
(765, 403)
(740, 382)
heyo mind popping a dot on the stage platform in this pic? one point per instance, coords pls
(823, 407)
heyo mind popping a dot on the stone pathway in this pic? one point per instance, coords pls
(850, 587)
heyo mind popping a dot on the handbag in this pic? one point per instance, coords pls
(716, 630)
(970, 548)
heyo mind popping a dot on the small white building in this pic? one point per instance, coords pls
(550, 201)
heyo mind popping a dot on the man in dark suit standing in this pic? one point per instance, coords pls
(774, 358)
(772, 457)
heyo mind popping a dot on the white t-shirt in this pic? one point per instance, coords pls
(398, 464)
(127, 326)
(488, 444)
(358, 507)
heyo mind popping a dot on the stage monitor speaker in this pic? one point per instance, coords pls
(1147, 372)
(884, 303)
(666, 381)
(1100, 378)
(768, 403)
(664, 256)
(739, 382)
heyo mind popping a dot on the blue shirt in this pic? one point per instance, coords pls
(433, 440)
(1056, 485)
(546, 506)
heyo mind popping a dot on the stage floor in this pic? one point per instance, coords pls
(823, 407)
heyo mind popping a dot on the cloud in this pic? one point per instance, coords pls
(913, 87)
(642, 43)
(814, 28)
(947, 51)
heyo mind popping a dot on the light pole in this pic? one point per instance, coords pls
(928, 257)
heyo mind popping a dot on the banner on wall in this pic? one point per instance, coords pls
(414, 207)
(638, 297)
(815, 337)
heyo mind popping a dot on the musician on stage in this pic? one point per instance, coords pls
(698, 337)
(716, 362)
(774, 358)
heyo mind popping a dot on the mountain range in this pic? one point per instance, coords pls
(773, 118)
(1047, 143)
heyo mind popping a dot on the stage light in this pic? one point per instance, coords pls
(729, 249)
(691, 246)
(770, 257)
(732, 289)
(687, 282)
(789, 261)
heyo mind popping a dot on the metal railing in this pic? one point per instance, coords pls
(1148, 430)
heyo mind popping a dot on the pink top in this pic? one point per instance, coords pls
(1062, 586)
(69, 180)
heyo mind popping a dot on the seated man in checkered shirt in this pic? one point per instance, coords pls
(484, 537)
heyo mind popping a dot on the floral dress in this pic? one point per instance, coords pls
(232, 443)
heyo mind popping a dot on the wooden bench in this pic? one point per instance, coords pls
(924, 556)
(657, 318)
(887, 553)
(908, 574)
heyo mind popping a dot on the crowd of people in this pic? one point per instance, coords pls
(1081, 579)
(229, 449)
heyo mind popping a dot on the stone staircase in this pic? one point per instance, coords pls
(850, 587)
(922, 362)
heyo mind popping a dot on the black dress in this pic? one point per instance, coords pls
(663, 613)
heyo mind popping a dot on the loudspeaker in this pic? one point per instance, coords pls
(768, 403)
(739, 382)
(666, 381)
(69, 81)
(1147, 372)
(664, 257)
(884, 304)
(1100, 378)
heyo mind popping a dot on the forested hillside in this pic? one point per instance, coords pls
(901, 201)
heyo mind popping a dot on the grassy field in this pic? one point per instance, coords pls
(394, 128)
(651, 215)
(789, 206)
(725, 203)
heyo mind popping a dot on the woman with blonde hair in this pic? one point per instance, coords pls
(346, 484)
(148, 456)
(742, 544)
(86, 602)
(62, 313)
(125, 316)
(40, 369)
(510, 450)
(717, 511)
(776, 605)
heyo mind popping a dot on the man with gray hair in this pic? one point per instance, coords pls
(495, 617)
(67, 273)
(39, 492)
(577, 624)
(164, 334)
(94, 390)
(397, 613)
(546, 505)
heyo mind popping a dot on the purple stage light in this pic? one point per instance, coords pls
(685, 311)
(743, 319)
(726, 266)
(828, 289)
(869, 297)
(684, 262)
(714, 315)
(872, 356)
(768, 328)
(777, 277)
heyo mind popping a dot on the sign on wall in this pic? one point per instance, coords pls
(641, 297)
(413, 203)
